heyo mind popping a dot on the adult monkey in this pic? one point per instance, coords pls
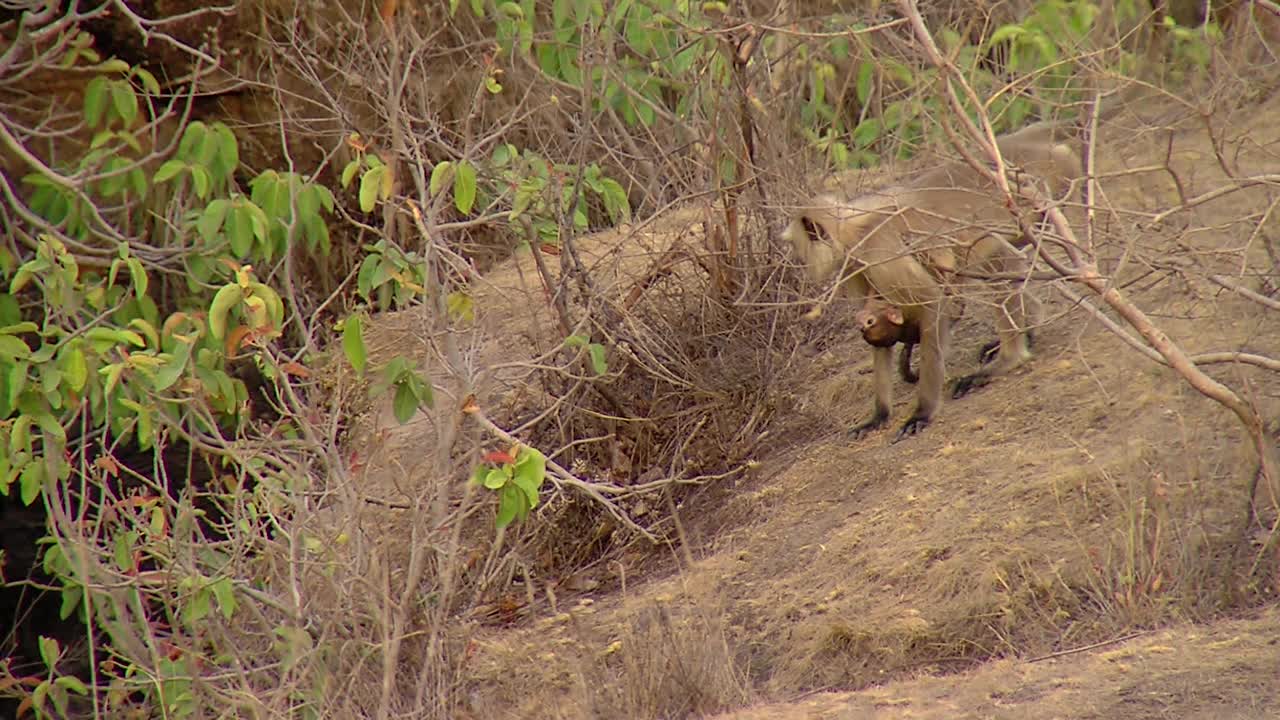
(909, 246)
(906, 243)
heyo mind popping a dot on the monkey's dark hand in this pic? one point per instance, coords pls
(875, 422)
(969, 382)
(912, 426)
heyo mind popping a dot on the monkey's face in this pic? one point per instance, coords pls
(813, 246)
(881, 327)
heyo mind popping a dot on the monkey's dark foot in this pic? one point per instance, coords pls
(911, 377)
(969, 382)
(874, 423)
(912, 426)
(988, 351)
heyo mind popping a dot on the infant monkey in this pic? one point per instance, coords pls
(883, 325)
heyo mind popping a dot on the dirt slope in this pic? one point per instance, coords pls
(1088, 496)
(1223, 671)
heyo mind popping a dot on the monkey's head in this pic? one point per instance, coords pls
(813, 244)
(881, 323)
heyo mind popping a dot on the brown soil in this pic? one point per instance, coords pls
(1089, 496)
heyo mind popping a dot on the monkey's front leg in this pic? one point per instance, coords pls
(882, 381)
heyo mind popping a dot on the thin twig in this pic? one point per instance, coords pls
(1087, 648)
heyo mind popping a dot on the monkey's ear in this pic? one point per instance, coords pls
(894, 314)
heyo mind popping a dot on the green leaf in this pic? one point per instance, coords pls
(867, 132)
(405, 403)
(192, 137)
(17, 381)
(199, 603)
(863, 87)
(422, 390)
(200, 180)
(370, 184)
(224, 591)
(496, 478)
(210, 221)
(598, 363)
(228, 296)
(123, 551)
(138, 275)
(615, 198)
(75, 368)
(511, 502)
(13, 348)
(138, 183)
(10, 312)
(227, 151)
(548, 60)
(71, 597)
(349, 172)
(148, 80)
(19, 327)
(125, 102)
(20, 435)
(531, 471)
(72, 683)
(271, 192)
(1005, 32)
(49, 651)
(38, 697)
(438, 175)
(317, 233)
(353, 344)
(241, 230)
(526, 193)
(176, 364)
(31, 481)
(112, 374)
(114, 65)
(365, 278)
(95, 101)
(169, 170)
(325, 195)
(502, 155)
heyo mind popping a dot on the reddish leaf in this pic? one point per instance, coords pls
(294, 368)
(499, 457)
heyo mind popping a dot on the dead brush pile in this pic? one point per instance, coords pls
(694, 380)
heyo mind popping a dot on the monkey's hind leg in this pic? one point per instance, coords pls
(987, 352)
(1013, 348)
